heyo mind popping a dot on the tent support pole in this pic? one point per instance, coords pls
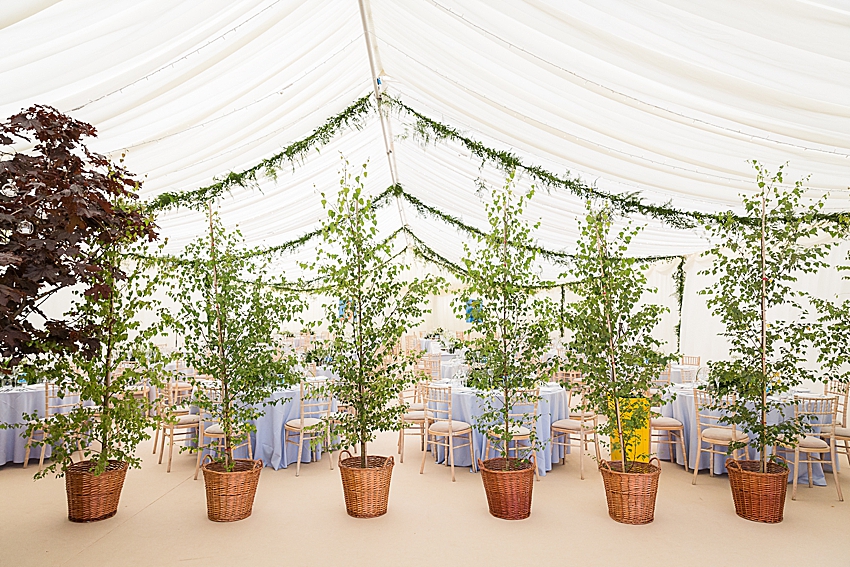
(386, 128)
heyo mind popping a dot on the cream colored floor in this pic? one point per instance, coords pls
(431, 521)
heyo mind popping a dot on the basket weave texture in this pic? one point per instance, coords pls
(367, 491)
(93, 498)
(759, 497)
(230, 495)
(508, 484)
(631, 495)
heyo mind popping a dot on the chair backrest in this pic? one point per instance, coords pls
(702, 374)
(525, 410)
(460, 335)
(413, 395)
(438, 403)
(689, 375)
(712, 411)
(431, 366)
(53, 404)
(663, 379)
(842, 391)
(818, 412)
(689, 360)
(316, 400)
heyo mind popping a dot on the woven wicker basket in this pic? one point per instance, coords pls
(631, 495)
(367, 491)
(230, 495)
(508, 484)
(759, 497)
(93, 498)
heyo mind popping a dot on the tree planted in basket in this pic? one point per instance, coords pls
(73, 222)
(612, 343)
(230, 311)
(758, 259)
(371, 304)
(513, 321)
(613, 347)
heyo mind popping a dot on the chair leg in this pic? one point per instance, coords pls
(330, 453)
(681, 435)
(43, 451)
(155, 440)
(472, 453)
(486, 452)
(28, 449)
(401, 444)
(452, 455)
(696, 465)
(250, 448)
(796, 472)
(424, 453)
(834, 457)
(161, 445)
(300, 449)
(809, 470)
(170, 449)
(200, 451)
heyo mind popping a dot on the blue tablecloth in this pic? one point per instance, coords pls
(467, 405)
(683, 409)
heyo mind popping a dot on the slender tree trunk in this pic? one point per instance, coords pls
(227, 426)
(107, 378)
(763, 460)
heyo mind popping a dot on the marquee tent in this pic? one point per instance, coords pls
(668, 100)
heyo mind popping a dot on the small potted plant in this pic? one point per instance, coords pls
(230, 313)
(373, 305)
(757, 260)
(613, 347)
(72, 221)
(512, 324)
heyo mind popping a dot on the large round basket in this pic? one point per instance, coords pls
(230, 495)
(508, 484)
(367, 491)
(631, 495)
(91, 497)
(759, 497)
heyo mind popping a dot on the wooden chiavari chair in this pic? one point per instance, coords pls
(315, 405)
(54, 404)
(524, 423)
(441, 428)
(712, 430)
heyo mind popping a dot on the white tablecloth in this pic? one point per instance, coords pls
(467, 406)
(676, 372)
(683, 409)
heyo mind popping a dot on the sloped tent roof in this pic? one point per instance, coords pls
(669, 99)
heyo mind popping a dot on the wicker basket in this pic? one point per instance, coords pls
(367, 491)
(631, 495)
(230, 495)
(759, 497)
(508, 484)
(93, 498)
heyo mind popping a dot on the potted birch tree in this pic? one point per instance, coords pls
(372, 304)
(71, 221)
(513, 323)
(613, 347)
(230, 312)
(758, 259)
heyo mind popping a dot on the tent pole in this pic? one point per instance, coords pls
(386, 128)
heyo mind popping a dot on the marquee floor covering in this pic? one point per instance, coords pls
(431, 521)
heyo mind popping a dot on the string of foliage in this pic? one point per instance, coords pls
(679, 278)
(197, 199)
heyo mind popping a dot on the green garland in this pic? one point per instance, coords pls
(197, 199)
(679, 278)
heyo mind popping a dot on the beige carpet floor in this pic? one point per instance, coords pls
(431, 521)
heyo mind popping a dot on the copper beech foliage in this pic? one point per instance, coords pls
(58, 214)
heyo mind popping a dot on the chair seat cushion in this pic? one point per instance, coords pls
(571, 425)
(415, 407)
(666, 422)
(414, 416)
(443, 427)
(808, 442)
(723, 435)
(516, 431)
(308, 422)
(842, 432)
(188, 419)
(214, 429)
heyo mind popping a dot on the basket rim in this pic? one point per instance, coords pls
(483, 465)
(80, 467)
(387, 462)
(785, 472)
(255, 464)
(608, 469)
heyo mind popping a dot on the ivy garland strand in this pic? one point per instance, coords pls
(352, 117)
(679, 278)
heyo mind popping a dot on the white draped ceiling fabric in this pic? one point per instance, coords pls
(671, 99)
